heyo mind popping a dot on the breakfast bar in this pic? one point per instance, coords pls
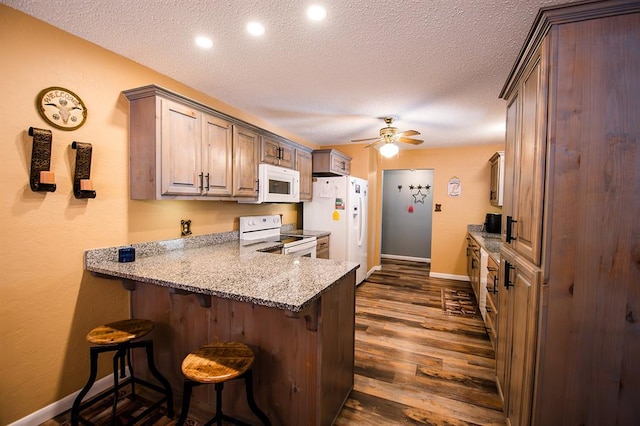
(295, 313)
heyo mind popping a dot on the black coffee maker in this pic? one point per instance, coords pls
(492, 223)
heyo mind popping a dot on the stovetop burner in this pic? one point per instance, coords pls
(254, 229)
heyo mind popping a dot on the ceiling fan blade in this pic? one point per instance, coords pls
(365, 140)
(374, 144)
(409, 133)
(410, 141)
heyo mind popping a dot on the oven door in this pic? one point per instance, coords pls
(307, 249)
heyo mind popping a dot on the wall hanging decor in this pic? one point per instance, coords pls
(82, 185)
(61, 108)
(41, 178)
(418, 194)
(454, 189)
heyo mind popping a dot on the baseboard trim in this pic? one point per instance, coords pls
(449, 276)
(413, 259)
(64, 404)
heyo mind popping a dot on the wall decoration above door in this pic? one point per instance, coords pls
(61, 108)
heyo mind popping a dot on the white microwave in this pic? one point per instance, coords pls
(277, 185)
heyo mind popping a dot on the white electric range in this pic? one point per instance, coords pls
(255, 229)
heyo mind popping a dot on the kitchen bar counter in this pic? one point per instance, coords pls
(297, 314)
(223, 267)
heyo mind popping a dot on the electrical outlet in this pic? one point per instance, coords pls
(186, 227)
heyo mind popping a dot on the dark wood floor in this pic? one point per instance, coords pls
(416, 363)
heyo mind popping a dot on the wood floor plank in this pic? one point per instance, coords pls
(416, 364)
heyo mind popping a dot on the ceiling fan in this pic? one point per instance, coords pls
(390, 135)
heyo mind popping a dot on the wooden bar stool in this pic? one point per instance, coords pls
(119, 337)
(219, 363)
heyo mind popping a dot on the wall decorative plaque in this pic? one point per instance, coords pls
(61, 108)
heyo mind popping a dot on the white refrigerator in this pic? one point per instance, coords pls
(340, 206)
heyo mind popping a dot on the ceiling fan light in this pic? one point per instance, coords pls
(389, 150)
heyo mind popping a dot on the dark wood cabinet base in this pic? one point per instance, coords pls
(302, 374)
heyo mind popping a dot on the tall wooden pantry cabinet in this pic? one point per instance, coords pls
(568, 349)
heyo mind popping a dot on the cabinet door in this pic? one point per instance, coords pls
(519, 301)
(512, 143)
(217, 156)
(340, 165)
(503, 329)
(245, 162)
(181, 149)
(322, 249)
(529, 185)
(304, 166)
(270, 152)
(497, 179)
(278, 153)
(286, 155)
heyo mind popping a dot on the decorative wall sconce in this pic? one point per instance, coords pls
(41, 178)
(82, 185)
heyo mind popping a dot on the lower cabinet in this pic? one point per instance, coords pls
(492, 286)
(473, 264)
(517, 330)
(322, 249)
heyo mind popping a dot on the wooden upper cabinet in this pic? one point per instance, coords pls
(303, 164)
(512, 135)
(526, 139)
(329, 162)
(181, 146)
(497, 179)
(276, 152)
(181, 149)
(246, 146)
(218, 156)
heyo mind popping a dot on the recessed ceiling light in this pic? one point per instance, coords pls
(255, 28)
(204, 42)
(316, 12)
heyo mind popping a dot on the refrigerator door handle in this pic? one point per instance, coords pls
(361, 221)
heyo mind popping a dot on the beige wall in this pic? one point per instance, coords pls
(47, 302)
(470, 164)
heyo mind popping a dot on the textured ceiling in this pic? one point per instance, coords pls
(435, 65)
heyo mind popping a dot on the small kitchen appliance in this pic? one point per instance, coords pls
(492, 223)
(277, 185)
(257, 229)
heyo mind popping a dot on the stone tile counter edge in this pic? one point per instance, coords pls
(218, 265)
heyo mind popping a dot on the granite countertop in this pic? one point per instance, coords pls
(220, 265)
(490, 242)
(308, 233)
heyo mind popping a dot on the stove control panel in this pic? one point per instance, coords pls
(250, 224)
